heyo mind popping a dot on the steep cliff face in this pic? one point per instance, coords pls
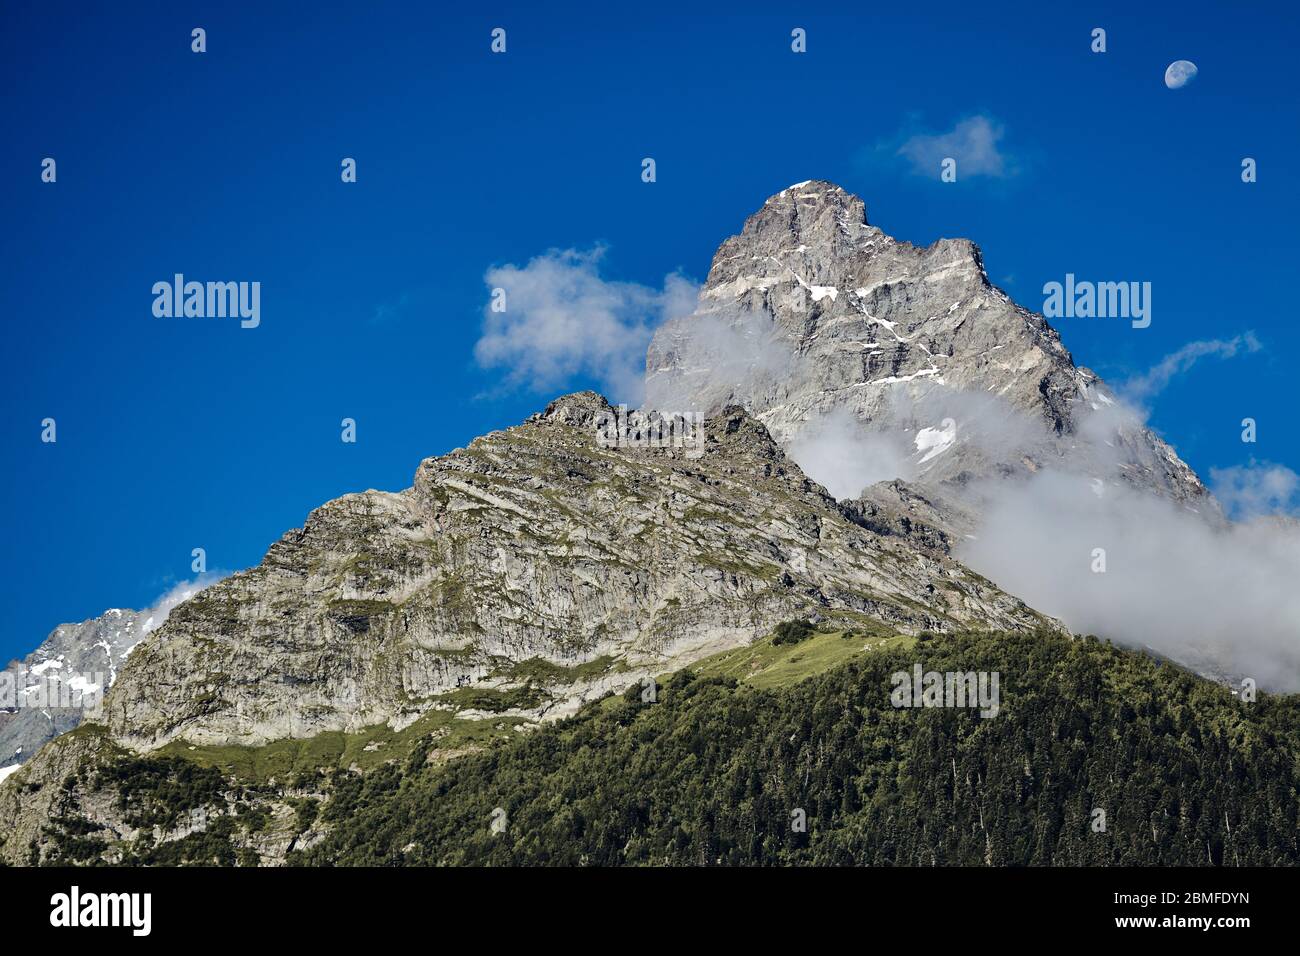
(537, 542)
(812, 311)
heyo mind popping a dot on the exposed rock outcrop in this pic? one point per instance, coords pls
(75, 665)
(533, 542)
(810, 311)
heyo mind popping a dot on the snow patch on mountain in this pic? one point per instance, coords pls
(932, 442)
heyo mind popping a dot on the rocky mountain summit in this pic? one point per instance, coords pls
(76, 663)
(533, 544)
(811, 312)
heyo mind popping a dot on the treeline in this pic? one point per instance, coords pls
(1097, 756)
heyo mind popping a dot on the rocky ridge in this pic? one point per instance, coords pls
(533, 543)
(811, 311)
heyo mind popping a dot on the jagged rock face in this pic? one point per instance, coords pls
(76, 661)
(536, 541)
(811, 310)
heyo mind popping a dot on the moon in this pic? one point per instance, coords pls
(1179, 74)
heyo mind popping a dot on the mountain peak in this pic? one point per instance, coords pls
(577, 408)
(819, 192)
(810, 311)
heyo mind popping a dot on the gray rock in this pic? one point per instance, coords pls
(77, 662)
(812, 312)
(533, 542)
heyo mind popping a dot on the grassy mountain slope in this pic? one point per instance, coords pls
(712, 773)
(713, 770)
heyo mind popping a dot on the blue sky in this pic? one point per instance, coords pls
(175, 434)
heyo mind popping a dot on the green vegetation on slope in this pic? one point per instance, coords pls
(769, 664)
(715, 772)
(365, 750)
(731, 754)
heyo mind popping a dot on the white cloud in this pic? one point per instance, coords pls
(1142, 388)
(177, 593)
(1256, 489)
(973, 143)
(1217, 597)
(731, 355)
(841, 454)
(1208, 593)
(563, 320)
